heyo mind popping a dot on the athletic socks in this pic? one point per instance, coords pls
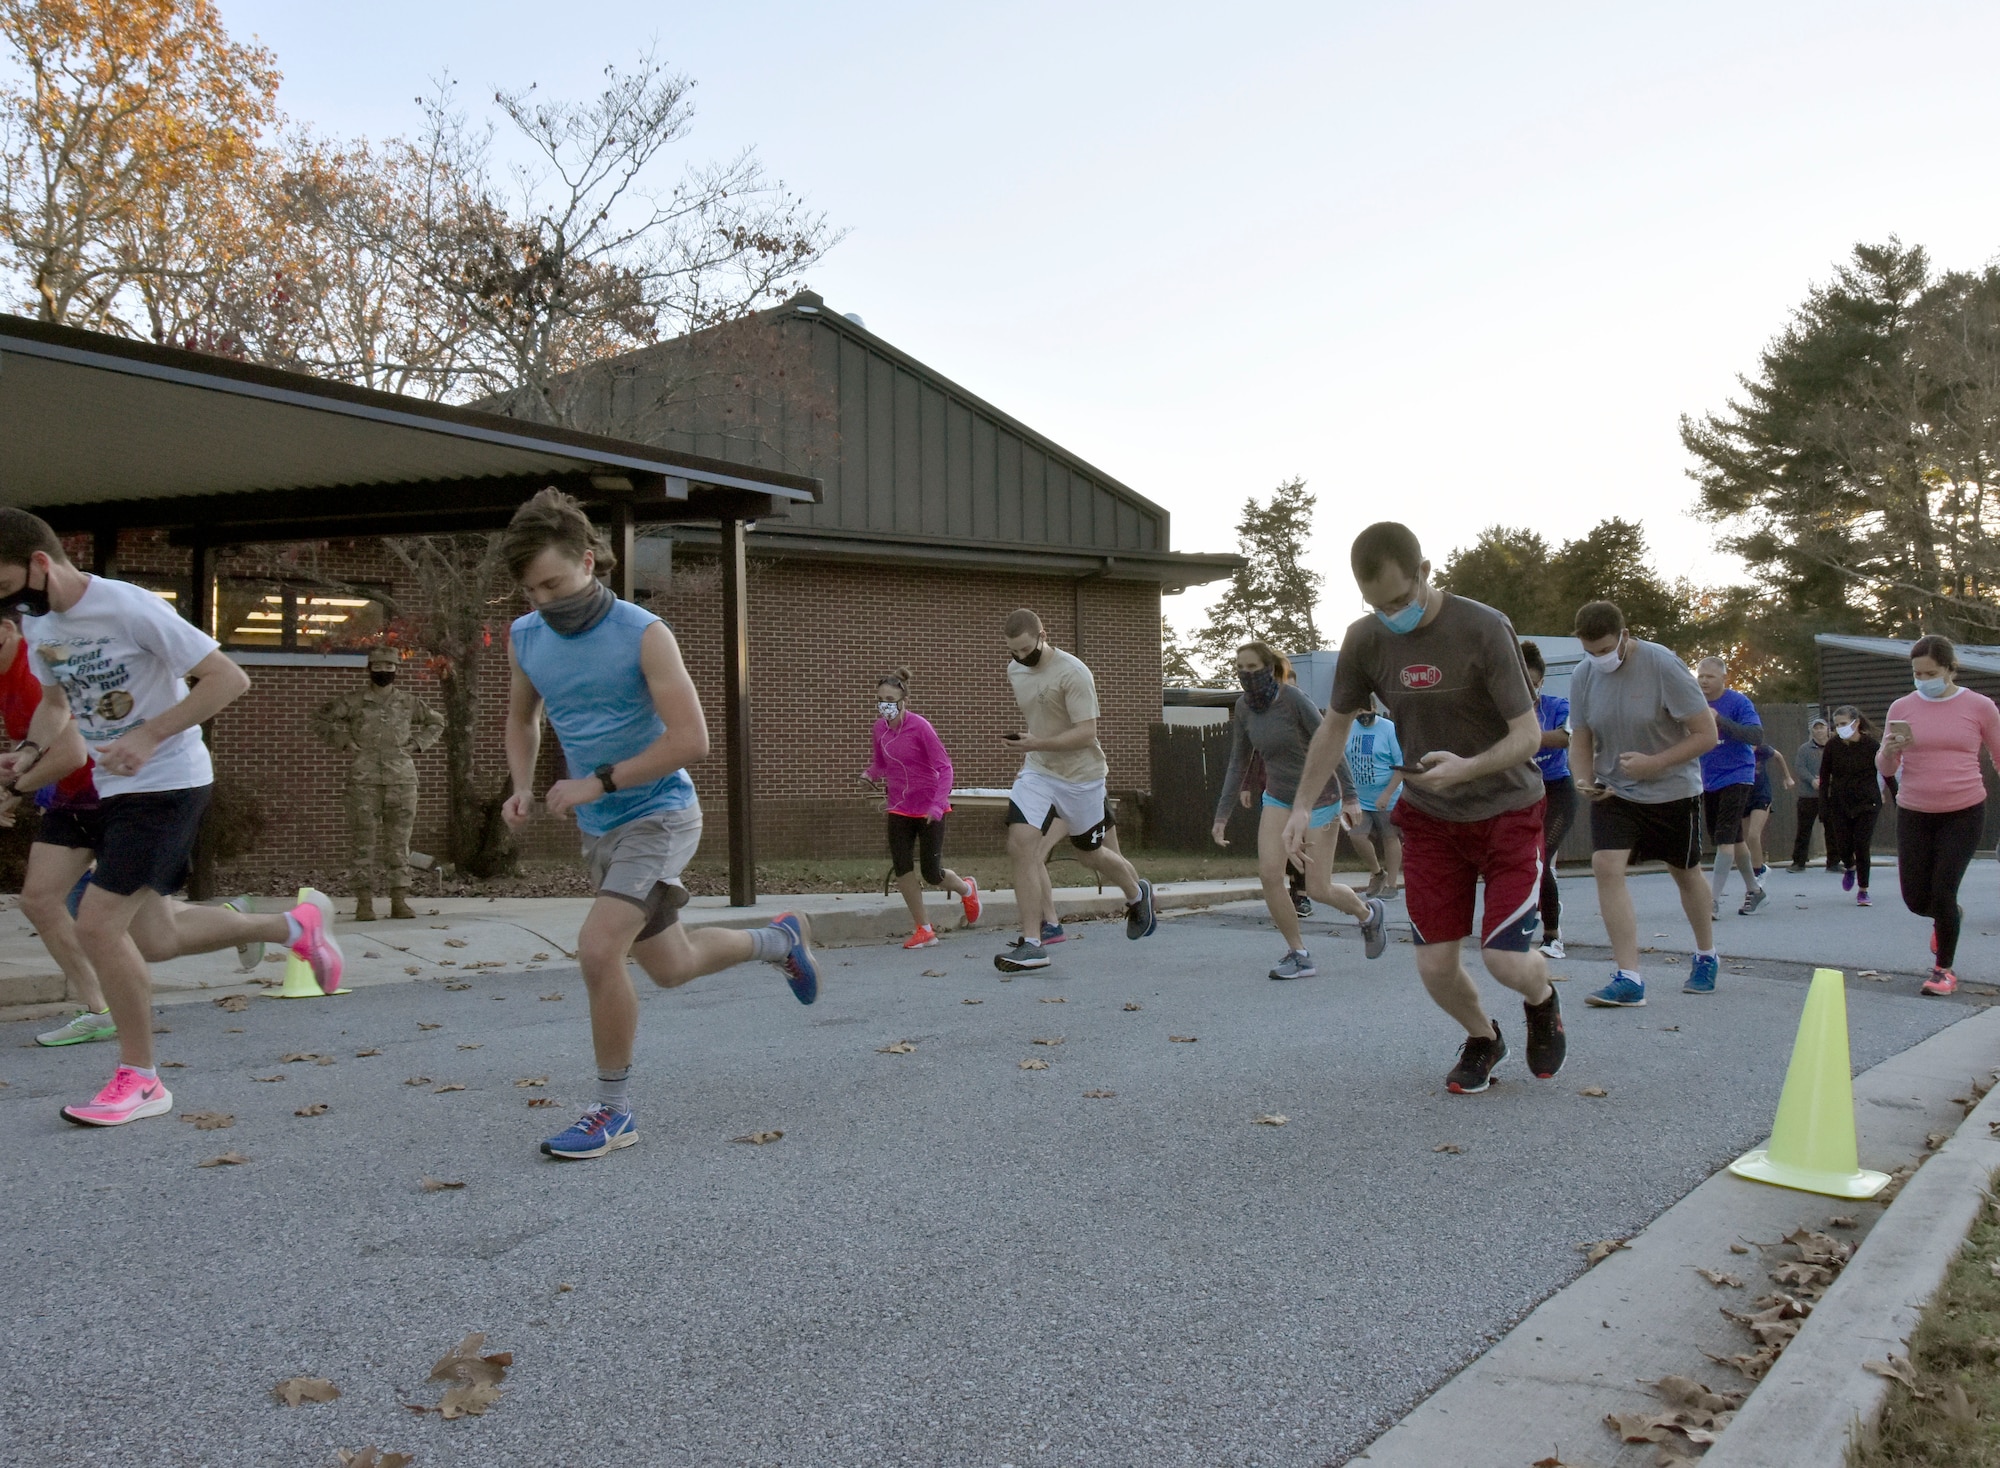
(1632, 974)
(613, 1088)
(150, 1072)
(294, 930)
(1707, 953)
(772, 944)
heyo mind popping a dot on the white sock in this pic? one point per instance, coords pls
(1706, 953)
(294, 929)
(1632, 974)
(151, 1073)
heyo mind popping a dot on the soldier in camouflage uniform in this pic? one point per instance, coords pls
(380, 727)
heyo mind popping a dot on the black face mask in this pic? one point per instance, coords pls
(1260, 687)
(1030, 660)
(382, 677)
(1365, 720)
(31, 601)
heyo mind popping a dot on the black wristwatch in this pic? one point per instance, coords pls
(603, 773)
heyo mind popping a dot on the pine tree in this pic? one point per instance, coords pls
(1274, 596)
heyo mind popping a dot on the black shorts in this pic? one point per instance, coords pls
(1760, 796)
(1723, 810)
(146, 839)
(1089, 840)
(1668, 832)
(906, 835)
(80, 827)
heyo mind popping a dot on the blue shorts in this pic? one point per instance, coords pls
(1322, 816)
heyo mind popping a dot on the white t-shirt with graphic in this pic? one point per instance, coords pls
(123, 655)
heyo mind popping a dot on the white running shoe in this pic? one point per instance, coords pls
(1554, 949)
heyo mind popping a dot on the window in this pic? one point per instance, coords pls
(272, 617)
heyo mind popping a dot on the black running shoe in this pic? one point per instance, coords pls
(1021, 957)
(1140, 919)
(1476, 1060)
(1301, 904)
(1547, 1045)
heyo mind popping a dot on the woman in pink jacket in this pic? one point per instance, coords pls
(1941, 796)
(910, 762)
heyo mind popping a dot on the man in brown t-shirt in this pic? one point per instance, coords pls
(1449, 672)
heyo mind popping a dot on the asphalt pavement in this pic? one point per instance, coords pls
(947, 1258)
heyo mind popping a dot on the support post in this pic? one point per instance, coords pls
(201, 585)
(104, 551)
(623, 537)
(736, 712)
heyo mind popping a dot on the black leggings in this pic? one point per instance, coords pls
(906, 833)
(1849, 835)
(1933, 849)
(1556, 818)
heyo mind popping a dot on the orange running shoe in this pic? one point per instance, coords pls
(970, 902)
(924, 937)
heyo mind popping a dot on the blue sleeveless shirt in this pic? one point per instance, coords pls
(602, 710)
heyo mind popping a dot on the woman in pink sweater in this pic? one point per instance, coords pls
(1941, 795)
(910, 763)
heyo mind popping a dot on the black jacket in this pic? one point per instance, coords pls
(1847, 776)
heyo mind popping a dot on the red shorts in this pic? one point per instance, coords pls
(1445, 861)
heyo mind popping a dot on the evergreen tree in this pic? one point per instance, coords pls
(1177, 669)
(1273, 598)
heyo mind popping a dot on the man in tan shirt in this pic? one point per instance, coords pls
(1062, 779)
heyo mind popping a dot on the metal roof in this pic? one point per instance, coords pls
(97, 430)
(1984, 659)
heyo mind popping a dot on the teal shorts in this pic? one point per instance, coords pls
(1322, 816)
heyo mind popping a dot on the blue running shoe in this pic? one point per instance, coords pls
(801, 972)
(1052, 933)
(1702, 970)
(1620, 993)
(598, 1131)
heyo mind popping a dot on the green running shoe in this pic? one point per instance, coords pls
(84, 1025)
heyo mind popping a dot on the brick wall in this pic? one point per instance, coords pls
(821, 633)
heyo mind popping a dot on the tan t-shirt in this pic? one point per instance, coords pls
(1056, 695)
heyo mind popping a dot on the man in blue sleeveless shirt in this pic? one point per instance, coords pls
(611, 678)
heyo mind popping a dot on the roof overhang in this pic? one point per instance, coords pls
(99, 432)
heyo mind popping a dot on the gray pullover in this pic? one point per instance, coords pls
(1279, 735)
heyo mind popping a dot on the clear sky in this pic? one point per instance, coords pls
(1452, 263)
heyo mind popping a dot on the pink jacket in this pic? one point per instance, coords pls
(910, 759)
(1940, 765)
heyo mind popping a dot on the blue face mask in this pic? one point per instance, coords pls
(1405, 620)
(1933, 688)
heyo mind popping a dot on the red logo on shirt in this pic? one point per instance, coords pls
(1422, 675)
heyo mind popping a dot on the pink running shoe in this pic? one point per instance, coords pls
(970, 902)
(128, 1097)
(1941, 982)
(317, 947)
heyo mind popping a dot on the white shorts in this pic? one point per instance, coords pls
(1040, 799)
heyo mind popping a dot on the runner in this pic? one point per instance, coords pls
(1850, 798)
(1806, 763)
(1062, 778)
(1758, 816)
(1552, 760)
(1274, 719)
(1448, 670)
(1728, 775)
(909, 759)
(1640, 725)
(621, 702)
(1932, 747)
(1373, 752)
(1249, 795)
(115, 661)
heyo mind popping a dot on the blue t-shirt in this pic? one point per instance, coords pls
(601, 709)
(1554, 714)
(1732, 762)
(1373, 752)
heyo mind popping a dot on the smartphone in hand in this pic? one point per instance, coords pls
(1409, 769)
(1900, 729)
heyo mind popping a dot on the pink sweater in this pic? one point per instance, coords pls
(1940, 765)
(910, 760)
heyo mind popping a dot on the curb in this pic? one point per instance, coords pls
(1818, 1397)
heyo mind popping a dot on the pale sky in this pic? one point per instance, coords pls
(1452, 263)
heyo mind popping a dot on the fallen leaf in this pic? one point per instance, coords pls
(423, 1026)
(448, 1086)
(411, 968)
(364, 1054)
(296, 1056)
(1099, 1095)
(1670, 1028)
(475, 1378)
(1896, 1368)
(1841, 1221)
(1869, 973)
(1717, 1278)
(1182, 1039)
(1054, 1040)
(227, 1159)
(1739, 1248)
(758, 1139)
(563, 1289)
(439, 1185)
(972, 1001)
(458, 986)
(899, 1047)
(1593, 1091)
(1957, 1406)
(232, 1032)
(318, 1108)
(472, 1047)
(208, 1121)
(1452, 1147)
(541, 1101)
(539, 957)
(163, 1065)
(370, 953)
(532, 1081)
(1272, 1118)
(1034, 1065)
(454, 942)
(325, 1060)
(372, 1457)
(1936, 1140)
(1131, 1007)
(1603, 1249)
(268, 1079)
(551, 998)
(295, 1389)
(934, 973)
(442, 927)
(418, 1081)
(234, 1003)
(1753, 1364)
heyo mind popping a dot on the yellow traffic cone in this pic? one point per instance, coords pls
(299, 980)
(1812, 1141)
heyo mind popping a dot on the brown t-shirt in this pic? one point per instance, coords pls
(1451, 685)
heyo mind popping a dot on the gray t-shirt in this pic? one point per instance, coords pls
(1642, 708)
(1452, 686)
(1278, 734)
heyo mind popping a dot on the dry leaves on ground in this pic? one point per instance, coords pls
(551, 998)
(295, 1389)
(209, 1121)
(423, 1025)
(1593, 1091)
(457, 986)
(227, 1159)
(1272, 1118)
(364, 1054)
(440, 1185)
(454, 943)
(1182, 1039)
(418, 1081)
(475, 1046)
(373, 1457)
(1896, 1368)
(541, 1101)
(934, 973)
(1129, 1008)
(318, 1108)
(538, 957)
(1452, 1147)
(298, 1055)
(163, 1065)
(448, 1086)
(234, 1003)
(1717, 1278)
(1936, 1140)
(532, 1081)
(411, 968)
(1051, 1040)
(267, 1080)
(1098, 1095)
(475, 1379)
(758, 1139)
(897, 1047)
(1739, 1248)
(1869, 973)
(1034, 1065)
(1841, 1221)
(1603, 1249)
(972, 1001)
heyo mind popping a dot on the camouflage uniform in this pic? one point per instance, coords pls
(380, 727)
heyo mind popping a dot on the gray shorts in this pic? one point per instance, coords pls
(642, 861)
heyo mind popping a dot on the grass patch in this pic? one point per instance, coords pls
(1957, 1344)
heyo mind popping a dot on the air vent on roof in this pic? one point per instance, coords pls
(855, 317)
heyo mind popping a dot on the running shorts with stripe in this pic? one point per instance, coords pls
(1445, 861)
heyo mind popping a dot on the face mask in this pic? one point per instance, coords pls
(1260, 686)
(382, 677)
(887, 709)
(1405, 620)
(1847, 731)
(1366, 721)
(1030, 660)
(572, 616)
(1607, 662)
(31, 601)
(1931, 687)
